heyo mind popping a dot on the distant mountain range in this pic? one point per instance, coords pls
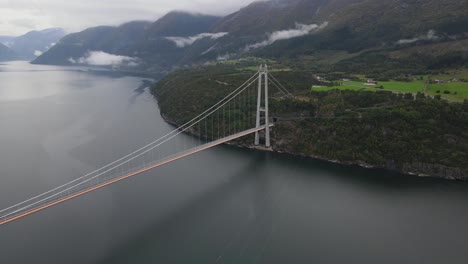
(6, 53)
(32, 44)
(149, 43)
(322, 31)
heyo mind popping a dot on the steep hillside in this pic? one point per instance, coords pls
(315, 30)
(353, 25)
(155, 46)
(411, 134)
(268, 16)
(181, 24)
(374, 23)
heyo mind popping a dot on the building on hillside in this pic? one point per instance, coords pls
(372, 82)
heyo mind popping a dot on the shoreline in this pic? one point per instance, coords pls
(319, 158)
(347, 163)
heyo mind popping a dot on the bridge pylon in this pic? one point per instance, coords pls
(263, 82)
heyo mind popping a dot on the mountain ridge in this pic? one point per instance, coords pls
(141, 39)
(282, 29)
(30, 45)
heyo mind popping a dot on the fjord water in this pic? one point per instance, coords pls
(224, 205)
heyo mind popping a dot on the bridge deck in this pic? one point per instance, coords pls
(150, 167)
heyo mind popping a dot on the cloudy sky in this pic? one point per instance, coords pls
(20, 16)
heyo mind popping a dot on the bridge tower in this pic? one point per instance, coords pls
(263, 82)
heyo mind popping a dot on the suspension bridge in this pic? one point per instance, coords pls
(244, 111)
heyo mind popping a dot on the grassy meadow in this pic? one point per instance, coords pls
(453, 91)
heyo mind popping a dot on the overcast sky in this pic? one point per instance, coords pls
(20, 16)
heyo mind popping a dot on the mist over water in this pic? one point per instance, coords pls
(224, 205)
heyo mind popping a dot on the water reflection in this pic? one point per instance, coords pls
(145, 84)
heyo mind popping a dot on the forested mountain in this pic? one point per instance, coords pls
(411, 133)
(269, 16)
(350, 28)
(312, 30)
(181, 24)
(373, 22)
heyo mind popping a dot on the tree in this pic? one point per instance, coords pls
(408, 96)
(420, 95)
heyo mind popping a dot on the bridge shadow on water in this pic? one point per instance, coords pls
(172, 239)
(237, 219)
(151, 244)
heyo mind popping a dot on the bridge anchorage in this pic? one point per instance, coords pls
(238, 114)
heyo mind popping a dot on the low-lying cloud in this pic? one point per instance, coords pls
(299, 31)
(8, 43)
(182, 42)
(431, 35)
(50, 45)
(224, 57)
(101, 58)
(37, 53)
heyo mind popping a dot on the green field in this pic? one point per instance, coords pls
(410, 87)
(351, 85)
(458, 90)
(345, 87)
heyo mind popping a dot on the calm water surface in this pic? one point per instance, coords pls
(224, 205)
